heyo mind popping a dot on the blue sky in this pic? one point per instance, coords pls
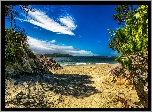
(79, 30)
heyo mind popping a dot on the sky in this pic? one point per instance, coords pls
(78, 30)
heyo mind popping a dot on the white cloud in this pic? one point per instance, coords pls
(68, 21)
(40, 47)
(40, 19)
(22, 20)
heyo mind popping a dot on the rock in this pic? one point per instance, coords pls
(140, 80)
(37, 64)
(30, 65)
(48, 63)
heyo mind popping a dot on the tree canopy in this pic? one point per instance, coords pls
(131, 41)
(132, 38)
(16, 45)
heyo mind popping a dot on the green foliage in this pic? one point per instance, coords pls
(10, 13)
(16, 45)
(124, 12)
(132, 38)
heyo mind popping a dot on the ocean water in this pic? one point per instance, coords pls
(71, 61)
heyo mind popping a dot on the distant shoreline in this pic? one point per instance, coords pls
(68, 55)
(83, 56)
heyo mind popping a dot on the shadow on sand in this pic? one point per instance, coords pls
(66, 84)
(72, 84)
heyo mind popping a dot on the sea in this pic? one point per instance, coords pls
(82, 60)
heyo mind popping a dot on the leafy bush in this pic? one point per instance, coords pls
(17, 52)
(15, 43)
(132, 38)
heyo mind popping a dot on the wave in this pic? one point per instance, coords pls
(76, 61)
(101, 63)
(78, 64)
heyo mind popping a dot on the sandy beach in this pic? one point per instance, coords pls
(85, 86)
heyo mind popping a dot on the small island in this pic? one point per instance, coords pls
(57, 55)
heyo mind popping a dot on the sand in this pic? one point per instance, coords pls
(85, 86)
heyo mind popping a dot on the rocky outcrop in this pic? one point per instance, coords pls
(140, 80)
(50, 63)
(32, 65)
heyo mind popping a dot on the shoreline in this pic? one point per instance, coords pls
(89, 65)
(84, 64)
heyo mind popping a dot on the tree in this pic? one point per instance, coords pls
(131, 41)
(16, 45)
(15, 37)
(10, 13)
(124, 12)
